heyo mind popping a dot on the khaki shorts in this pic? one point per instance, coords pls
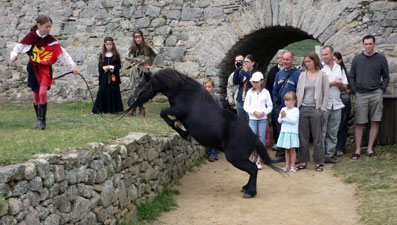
(368, 105)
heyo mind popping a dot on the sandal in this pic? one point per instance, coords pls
(292, 170)
(319, 168)
(285, 169)
(302, 166)
(355, 156)
(372, 155)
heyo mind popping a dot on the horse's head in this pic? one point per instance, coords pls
(143, 90)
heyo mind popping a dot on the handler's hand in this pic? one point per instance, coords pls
(14, 58)
(105, 68)
(148, 66)
(75, 70)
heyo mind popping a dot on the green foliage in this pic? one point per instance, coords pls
(163, 203)
(69, 125)
(301, 48)
(376, 181)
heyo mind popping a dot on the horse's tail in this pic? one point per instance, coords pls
(261, 149)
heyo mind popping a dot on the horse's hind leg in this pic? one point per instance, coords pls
(249, 167)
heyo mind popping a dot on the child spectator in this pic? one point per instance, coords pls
(288, 138)
(108, 99)
(208, 85)
(258, 104)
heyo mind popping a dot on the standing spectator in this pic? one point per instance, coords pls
(143, 57)
(337, 83)
(345, 115)
(241, 77)
(271, 76)
(43, 51)
(289, 139)
(369, 78)
(258, 104)
(231, 89)
(286, 81)
(108, 99)
(208, 85)
(312, 94)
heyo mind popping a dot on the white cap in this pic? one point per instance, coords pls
(257, 76)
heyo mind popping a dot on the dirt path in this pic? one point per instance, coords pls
(211, 195)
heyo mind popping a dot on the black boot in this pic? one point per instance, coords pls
(42, 111)
(36, 109)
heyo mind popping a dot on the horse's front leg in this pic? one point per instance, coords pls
(174, 123)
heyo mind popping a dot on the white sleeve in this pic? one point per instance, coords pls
(247, 104)
(292, 117)
(269, 104)
(66, 59)
(18, 49)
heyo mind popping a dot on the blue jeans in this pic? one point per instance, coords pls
(259, 128)
(241, 112)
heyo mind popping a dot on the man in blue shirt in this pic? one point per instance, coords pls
(286, 80)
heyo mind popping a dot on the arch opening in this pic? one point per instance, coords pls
(263, 44)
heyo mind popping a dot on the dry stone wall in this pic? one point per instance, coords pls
(198, 37)
(97, 186)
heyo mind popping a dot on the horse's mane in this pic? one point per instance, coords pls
(172, 79)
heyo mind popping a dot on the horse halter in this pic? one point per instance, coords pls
(144, 88)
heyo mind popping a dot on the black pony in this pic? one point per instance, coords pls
(204, 120)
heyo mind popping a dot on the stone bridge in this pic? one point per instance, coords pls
(199, 38)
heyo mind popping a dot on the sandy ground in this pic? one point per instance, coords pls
(211, 195)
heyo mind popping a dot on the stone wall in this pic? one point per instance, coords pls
(198, 37)
(97, 186)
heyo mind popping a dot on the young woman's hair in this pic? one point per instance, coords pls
(41, 19)
(208, 80)
(116, 54)
(134, 47)
(290, 96)
(342, 65)
(251, 58)
(313, 56)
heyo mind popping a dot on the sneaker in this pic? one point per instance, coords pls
(285, 169)
(339, 153)
(292, 170)
(274, 147)
(331, 160)
(216, 157)
(259, 165)
(211, 158)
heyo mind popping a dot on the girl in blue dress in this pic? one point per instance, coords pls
(288, 138)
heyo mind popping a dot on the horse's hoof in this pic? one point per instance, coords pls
(248, 195)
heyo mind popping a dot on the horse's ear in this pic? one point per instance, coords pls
(147, 76)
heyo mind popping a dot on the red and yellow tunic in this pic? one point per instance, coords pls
(43, 53)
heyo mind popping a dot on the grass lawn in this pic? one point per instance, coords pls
(376, 181)
(301, 48)
(69, 125)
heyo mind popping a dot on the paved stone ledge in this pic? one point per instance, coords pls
(98, 186)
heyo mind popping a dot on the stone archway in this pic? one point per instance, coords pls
(262, 27)
(263, 44)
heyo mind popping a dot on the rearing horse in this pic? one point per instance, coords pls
(204, 120)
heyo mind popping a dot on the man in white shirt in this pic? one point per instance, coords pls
(337, 82)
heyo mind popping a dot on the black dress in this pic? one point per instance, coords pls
(108, 99)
